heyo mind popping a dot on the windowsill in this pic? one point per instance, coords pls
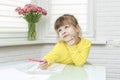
(12, 43)
(99, 42)
(40, 42)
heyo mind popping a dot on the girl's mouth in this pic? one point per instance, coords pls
(65, 36)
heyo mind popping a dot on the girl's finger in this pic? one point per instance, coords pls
(43, 66)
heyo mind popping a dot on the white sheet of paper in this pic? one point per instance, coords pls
(56, 67)
(38, 77)
(14, 74)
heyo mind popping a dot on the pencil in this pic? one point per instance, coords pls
(35, 60)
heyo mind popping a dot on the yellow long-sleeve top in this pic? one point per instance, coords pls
(65, 54)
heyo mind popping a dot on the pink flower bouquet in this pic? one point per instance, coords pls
(31, 13)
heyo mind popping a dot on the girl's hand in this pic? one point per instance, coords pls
(43, 64)
(74, 40)
(71, 41)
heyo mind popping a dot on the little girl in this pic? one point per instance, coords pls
(71, 49)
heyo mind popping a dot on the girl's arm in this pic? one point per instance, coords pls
(79, 54)
(53, 54)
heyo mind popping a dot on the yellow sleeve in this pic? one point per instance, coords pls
(79, 54)
(52, 55)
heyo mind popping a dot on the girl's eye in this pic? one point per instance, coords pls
(59, 30)
(66, 27)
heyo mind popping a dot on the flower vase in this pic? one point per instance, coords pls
(31, 31)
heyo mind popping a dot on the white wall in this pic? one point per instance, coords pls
(107, 22)
(107, 14)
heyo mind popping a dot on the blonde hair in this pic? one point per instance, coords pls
(66, 18)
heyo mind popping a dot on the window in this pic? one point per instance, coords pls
(12, 26)
(81, 9)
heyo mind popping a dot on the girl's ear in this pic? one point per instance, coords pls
(78, 28)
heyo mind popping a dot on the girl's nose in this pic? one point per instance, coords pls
(63, 32)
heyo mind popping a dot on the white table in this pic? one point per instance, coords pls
(70, 72)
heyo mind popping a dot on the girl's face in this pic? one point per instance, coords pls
(66, 32)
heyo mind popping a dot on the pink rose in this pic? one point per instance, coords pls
(44, 12)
